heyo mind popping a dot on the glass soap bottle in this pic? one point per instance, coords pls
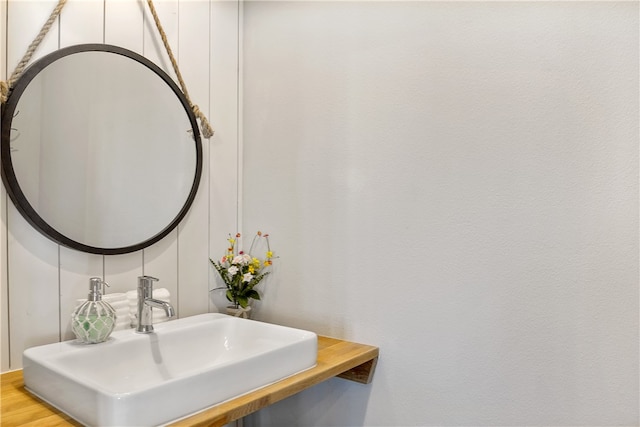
(93, 321)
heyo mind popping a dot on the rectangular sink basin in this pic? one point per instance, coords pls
(185, 366)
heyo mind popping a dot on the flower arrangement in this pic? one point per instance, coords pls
(241, 271)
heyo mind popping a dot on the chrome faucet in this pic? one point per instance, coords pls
(146, 302)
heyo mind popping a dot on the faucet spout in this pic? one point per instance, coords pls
(146, 302)
(155, 303)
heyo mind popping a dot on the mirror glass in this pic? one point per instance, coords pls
(102, 152)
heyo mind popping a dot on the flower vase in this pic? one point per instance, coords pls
(244, 313)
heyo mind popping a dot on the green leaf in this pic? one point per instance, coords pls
(243, 301)
(253, 294)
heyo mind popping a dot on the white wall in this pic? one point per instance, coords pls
(457, 183)
(40, 279)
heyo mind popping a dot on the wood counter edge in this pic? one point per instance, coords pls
(344, 359)
(335, 357)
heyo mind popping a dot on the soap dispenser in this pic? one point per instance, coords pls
(93, 321)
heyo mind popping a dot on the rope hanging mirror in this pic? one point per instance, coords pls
(109, 132)
(7, 86)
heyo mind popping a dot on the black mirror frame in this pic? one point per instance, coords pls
(8, 174)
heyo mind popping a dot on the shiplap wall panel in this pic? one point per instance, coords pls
(193, 50)
(161, 259)
(122, 271)
(33, 288)
(81, 22)
(123, 25)
(33, 260)
(41, 280)
(224, 145)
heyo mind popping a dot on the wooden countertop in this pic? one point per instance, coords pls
(336, 358)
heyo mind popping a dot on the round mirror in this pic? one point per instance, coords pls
(100, 149)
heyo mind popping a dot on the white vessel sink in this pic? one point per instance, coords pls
(185, 366)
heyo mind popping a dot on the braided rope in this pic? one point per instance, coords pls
(6, 86)
(207, 131)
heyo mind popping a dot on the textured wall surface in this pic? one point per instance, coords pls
(457, 183)
(42, 280)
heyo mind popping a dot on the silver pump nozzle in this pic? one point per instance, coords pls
(96, 289)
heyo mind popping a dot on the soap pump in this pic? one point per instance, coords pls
(93, 321)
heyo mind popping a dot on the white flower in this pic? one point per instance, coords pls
(243, 259)
(247, 277)
(232, 270)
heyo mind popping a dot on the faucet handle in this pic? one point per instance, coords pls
(146, 282)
